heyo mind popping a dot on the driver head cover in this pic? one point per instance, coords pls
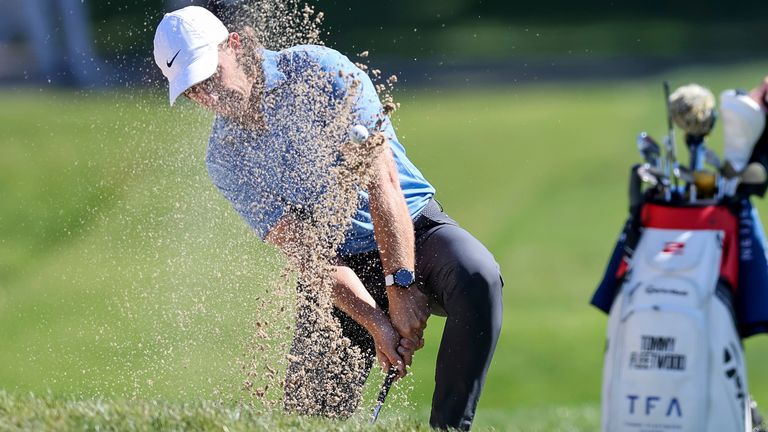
(187, 47)
(693, 109)
(743, 124)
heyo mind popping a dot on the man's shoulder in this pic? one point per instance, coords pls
(326, 58)
(316, 51)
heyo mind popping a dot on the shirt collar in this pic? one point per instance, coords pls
(273, 77)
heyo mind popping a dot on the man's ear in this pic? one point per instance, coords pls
(234, 41)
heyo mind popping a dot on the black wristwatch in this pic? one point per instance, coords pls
(402, 278)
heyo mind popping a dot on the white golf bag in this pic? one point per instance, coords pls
(674, 360)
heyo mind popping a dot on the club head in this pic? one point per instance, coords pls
(754, 174)
(743, 124)
(645, 173)
(692, 108)
(649, 148)
(729, 171)
(706, 183)
(683, 173)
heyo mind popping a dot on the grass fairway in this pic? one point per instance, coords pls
(125, 278)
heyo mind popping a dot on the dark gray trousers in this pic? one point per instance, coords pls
(463, 282)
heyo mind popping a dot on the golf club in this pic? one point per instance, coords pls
(706, 183)
(385, 386)
(712, 159)
(647, 174)
(753, 174)
(743, 124)
(692, 109)
(649, 149)
(669, 144)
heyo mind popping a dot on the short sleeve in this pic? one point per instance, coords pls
(368, 108)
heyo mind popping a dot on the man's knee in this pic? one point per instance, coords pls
(479, 284)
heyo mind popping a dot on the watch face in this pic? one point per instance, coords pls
(404, 278)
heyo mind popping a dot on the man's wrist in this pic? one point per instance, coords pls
(402, 278)
(377, 319)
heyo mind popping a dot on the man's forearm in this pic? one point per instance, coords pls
(350, 295)
(392, 224)
(393, 228)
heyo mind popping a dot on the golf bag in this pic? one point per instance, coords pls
(688, 277)
(674, 359)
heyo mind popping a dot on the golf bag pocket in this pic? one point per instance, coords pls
(667, 328)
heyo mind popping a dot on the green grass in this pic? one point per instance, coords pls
(125, 278)
(48, 413)
(64, 414)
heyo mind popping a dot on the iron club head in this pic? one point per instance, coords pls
(649, 148)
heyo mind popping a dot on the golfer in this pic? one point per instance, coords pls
(402, 255)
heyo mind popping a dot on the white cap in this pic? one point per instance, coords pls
(743, 124)
(187, 47)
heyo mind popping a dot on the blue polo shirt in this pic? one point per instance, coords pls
(263, 173)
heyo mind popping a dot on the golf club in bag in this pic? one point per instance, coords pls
(688, 278)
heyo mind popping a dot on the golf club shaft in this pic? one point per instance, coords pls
(385, 386)
(671, 157)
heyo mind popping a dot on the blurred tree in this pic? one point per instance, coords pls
(497, 28)
(57, 33)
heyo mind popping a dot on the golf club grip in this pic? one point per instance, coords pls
(387, 384)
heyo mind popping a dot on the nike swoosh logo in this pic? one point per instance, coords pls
(170, 63)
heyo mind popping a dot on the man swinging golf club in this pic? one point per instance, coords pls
(402, 254)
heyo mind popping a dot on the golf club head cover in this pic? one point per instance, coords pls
(743, 126)
(692, 108)
(759, 155)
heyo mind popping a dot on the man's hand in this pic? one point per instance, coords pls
(409, 311)
(389, 352)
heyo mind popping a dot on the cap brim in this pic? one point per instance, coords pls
(199, 70)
